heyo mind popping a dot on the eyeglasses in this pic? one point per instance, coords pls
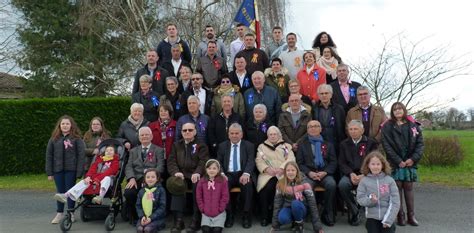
(225, 81)
(187, 130)
(195, 79)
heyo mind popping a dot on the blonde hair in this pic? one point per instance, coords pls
(375, 154)
(283, 183)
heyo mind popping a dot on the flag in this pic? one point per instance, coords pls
(248, 16)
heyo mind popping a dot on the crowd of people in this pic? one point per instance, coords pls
(280, 123)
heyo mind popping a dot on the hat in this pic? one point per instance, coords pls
(176, 185)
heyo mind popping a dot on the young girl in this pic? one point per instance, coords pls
(212, 196)
(64, 159)
(100, 174)
(378, 192)
(293, 200)
(151, 203)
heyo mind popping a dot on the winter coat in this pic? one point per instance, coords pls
(91, 144)
(388, 200)
(280, 84)
(333, 129)
(309, 84)
(176, 102)
(157, 139)
(164, 50)
(158, 79)
(376, 118)
(211, 202)
(150, 103)
(201, 122)
(246, 83)
(290, 133)
(256, 59)
(351, 155)
(159, 206)
(99, 170)
(219, 127)
(60, 157)
(305, 157)
(211, 69)
(269, 97)
(188, 158)
(256, 132)
(128, 133)
(239, 105)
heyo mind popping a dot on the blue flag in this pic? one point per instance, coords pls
(246, 13)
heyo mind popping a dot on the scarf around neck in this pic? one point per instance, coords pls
(318, 157)
(135, 123)
(147, 201)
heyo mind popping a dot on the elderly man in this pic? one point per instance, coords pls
(238, 44)
(211, 66)
(371, 116)
(257, 60)
(351, 155)
(187, 159)
(344, 89)
(142, 157)
(157, 73)
(330, 115)
(239, 76)
(164, 47)
(262, 94)
(203, 45)
(205, 95)
(174, 65)
(196, 117)
(292, 57)
(316, 158)
(237, 157)
(277, 45)
(293, 121)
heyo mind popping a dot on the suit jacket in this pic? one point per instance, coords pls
(338, 97)
(247, 84)
(168, 66)
(351, 155)
(136, 166)
(247, 157)
(158, 79)
(207, 107)
(305, 157)
(333, 131)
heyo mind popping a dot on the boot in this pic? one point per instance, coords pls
(178, 225)
(401, 214)
(410, 200)
(298, 227)
(206, 229)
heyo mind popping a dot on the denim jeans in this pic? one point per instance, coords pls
(64, 180)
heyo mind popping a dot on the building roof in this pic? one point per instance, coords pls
(8, 81)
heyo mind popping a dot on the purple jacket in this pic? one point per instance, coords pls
(212, 200)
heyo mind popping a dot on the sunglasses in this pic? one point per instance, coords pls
(195, 79)
(225, 81)
(187, 130)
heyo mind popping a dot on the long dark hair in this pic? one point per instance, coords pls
(317, 41)
(396, 105)
(103, 134)
(75, 132)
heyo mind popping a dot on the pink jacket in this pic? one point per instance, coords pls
(211, 198)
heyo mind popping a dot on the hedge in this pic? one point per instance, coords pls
(442, 151)
(26, 126)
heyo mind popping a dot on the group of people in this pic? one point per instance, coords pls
(281, 123)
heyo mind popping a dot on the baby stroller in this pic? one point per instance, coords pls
(92, 211)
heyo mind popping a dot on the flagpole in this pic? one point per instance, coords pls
(257, 24)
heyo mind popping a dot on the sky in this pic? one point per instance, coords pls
(359, 26)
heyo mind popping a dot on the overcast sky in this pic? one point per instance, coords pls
(357, 26)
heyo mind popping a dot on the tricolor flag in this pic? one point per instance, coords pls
(248, 16)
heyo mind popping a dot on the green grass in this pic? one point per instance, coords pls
(26, 182)
(461, 175)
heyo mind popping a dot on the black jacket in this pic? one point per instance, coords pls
(176, 102)
(333, 129)
(256, 133)
(219, 126)
(247, 157)
(305, 157)
(247, 84)
(150, 111)
(351, 155)
(158, 79)
(168, 66)
(207, 107)
(128, 133)
(338, 97)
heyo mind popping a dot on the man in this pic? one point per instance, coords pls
(257, 60)
(237, 158)
(211, 36)
(157, 73)
(164, 47)
(239, 76)
(238, 44)
(204, 95)
(330, 115)
(187, 160)
(211, 66)
(316, 158)
(344, 89)
(293, 121)
(142, 157)
(351, 155)
(196, 117)
(262, 94)
(292, 58)
(372, 116)
(277, 45)
(174, 65)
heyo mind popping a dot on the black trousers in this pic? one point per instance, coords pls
(266, 197)
(178, 202)
(131, 198)
(246, 191)
(376, 226)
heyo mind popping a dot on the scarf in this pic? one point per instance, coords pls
(223, 91)
(135, 123)
(318, 156)
(330, 65)
(106, 158)
(147, 201)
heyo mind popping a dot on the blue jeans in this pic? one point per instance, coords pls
(296, 212)
(64, 180)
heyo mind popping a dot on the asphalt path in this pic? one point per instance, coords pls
(438, 209)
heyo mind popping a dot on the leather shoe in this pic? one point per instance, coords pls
(246, 222)
(264, 222)
(355, 219)
(229, 221)
(326, 220)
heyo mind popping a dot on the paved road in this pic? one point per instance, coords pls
(438, 210)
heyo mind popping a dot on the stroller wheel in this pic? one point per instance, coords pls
(83, 214)
(110, 222)
(66, 223)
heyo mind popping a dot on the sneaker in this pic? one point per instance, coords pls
(61, 197)
(73, 219)
(57, 218)
(97, 200)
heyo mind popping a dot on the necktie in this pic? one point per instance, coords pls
(144, 153)
(235, 164)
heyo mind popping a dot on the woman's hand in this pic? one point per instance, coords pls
(373, 197)
(127, 145)
(402, 164)
(179, 174)
(50, 178)
(95, 152)
(409, 162)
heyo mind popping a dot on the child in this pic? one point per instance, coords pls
(151, 203)
(212, 196)
(378, 192)
(100, 174)
(292, 200)
(65, 160)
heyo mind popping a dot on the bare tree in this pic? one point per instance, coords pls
(9, 46)
(403, 70)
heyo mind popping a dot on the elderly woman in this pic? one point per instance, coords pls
(186, 162)
(257, 127)
(403, 142)
(172, 97)
(277, 77)
(128, 130)
(93, 137)
(185, 73)
(272, 156)
(330, 63)
(311, 77)
(148, 98)
(226, 88)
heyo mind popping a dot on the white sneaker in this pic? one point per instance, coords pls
(61, 197)
(97, 200)
(57, 218)
(73, 219)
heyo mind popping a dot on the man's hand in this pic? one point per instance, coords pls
(131, 183)
(244, 179)
(195, 177)
(179, 174)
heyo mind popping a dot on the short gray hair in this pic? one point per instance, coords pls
(193, 97)
(172, 78)
(356, 122)
(258, 73)
(136, 105)
(227, 95)
(176, 45)
(236, 126)
(260, 106)
(326, 87)
(343, 65)
(363, 88)
(145, 78)
(144, 128)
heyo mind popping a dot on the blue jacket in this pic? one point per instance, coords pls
(164, 51)
(201, 122)
(269, 97)
(159, 206)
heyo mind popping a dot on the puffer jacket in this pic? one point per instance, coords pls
(60, 157)
(159, 206)
(388, 199)
(212, 201)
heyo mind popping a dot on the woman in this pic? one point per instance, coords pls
(330, 63)
(128, 130)
(323, 40)
(163, 129)
(148, 98)
(272, 156)
(277, 77)
(172, 97)
(185, 73)
(402, 141)
(227, 88)
(93, 137)
(257, 127)
(311, 76)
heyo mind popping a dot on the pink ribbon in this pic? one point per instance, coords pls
(210, 184)
(67, 143)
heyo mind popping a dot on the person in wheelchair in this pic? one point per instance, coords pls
(98, 179)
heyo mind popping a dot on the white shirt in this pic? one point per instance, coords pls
(202, 99)
(231, 158)
(241, 78)
(176, 65)
(236, 46)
